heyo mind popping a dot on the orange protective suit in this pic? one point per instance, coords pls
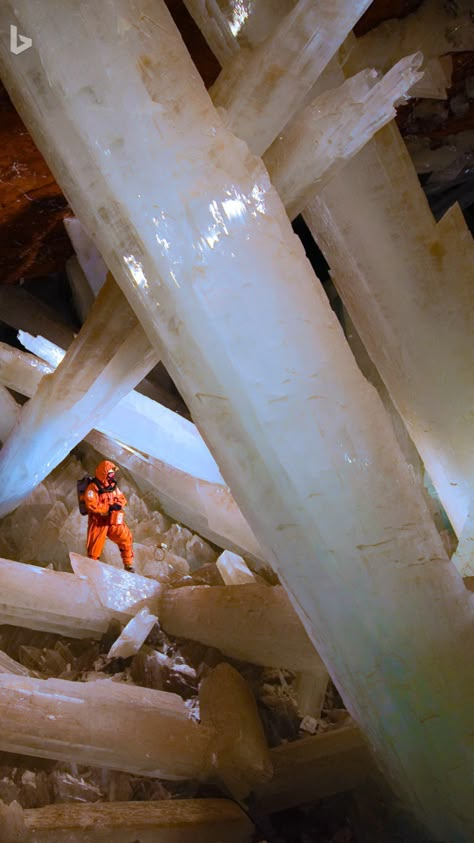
(99, 497)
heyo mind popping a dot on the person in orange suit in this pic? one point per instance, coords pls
(105, 503)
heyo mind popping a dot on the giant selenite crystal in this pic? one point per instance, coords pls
(261, 90)
(104, 724)
(224, 291)
(105, 361)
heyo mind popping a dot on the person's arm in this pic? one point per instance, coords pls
(120, 497)
(93, 501)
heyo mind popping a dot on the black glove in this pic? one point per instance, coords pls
(115, 507)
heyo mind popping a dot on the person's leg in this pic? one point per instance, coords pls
(96, 535)
(122, 536)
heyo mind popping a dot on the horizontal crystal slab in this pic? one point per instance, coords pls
(269, 630)
(315, 768)
(102, 724)
(169, 821)
(78, 606)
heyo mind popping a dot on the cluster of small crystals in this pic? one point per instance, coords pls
(42, 531)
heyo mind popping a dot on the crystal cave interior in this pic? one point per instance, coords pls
(236, 260)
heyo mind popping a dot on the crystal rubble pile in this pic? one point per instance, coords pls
(205, 506)
(210, 367)
(162, 665)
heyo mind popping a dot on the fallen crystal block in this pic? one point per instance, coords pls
(241, 753)
(121, 593)
(133, 636)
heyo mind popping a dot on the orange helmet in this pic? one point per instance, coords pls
(103, 470)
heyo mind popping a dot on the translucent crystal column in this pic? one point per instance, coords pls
(199, 241)
(376, 230)
(377, 233)
(262, 89)
(79, 606)
(109, 356)
(322, 137)
(228, 23)
(102, 724)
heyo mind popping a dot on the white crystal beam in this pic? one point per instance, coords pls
(137, 420)
(110, 355)
(102, 724)
(337, 124)
(260, 91)
(343, 221)
(426, 356)
(407, 335)
(263, 365)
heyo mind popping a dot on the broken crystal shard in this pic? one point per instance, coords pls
(310, 691)
(146, 425)
(315, 768)
(109, 356)
(121, 594)
(68, 788)
(314, 146)
(277, 393)
(168, 821)
(89, 723)
(233, 569)
(133, 636)
(240, 752)
(269, 630)
(21, 372)
(9, 413)
(280, 72)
